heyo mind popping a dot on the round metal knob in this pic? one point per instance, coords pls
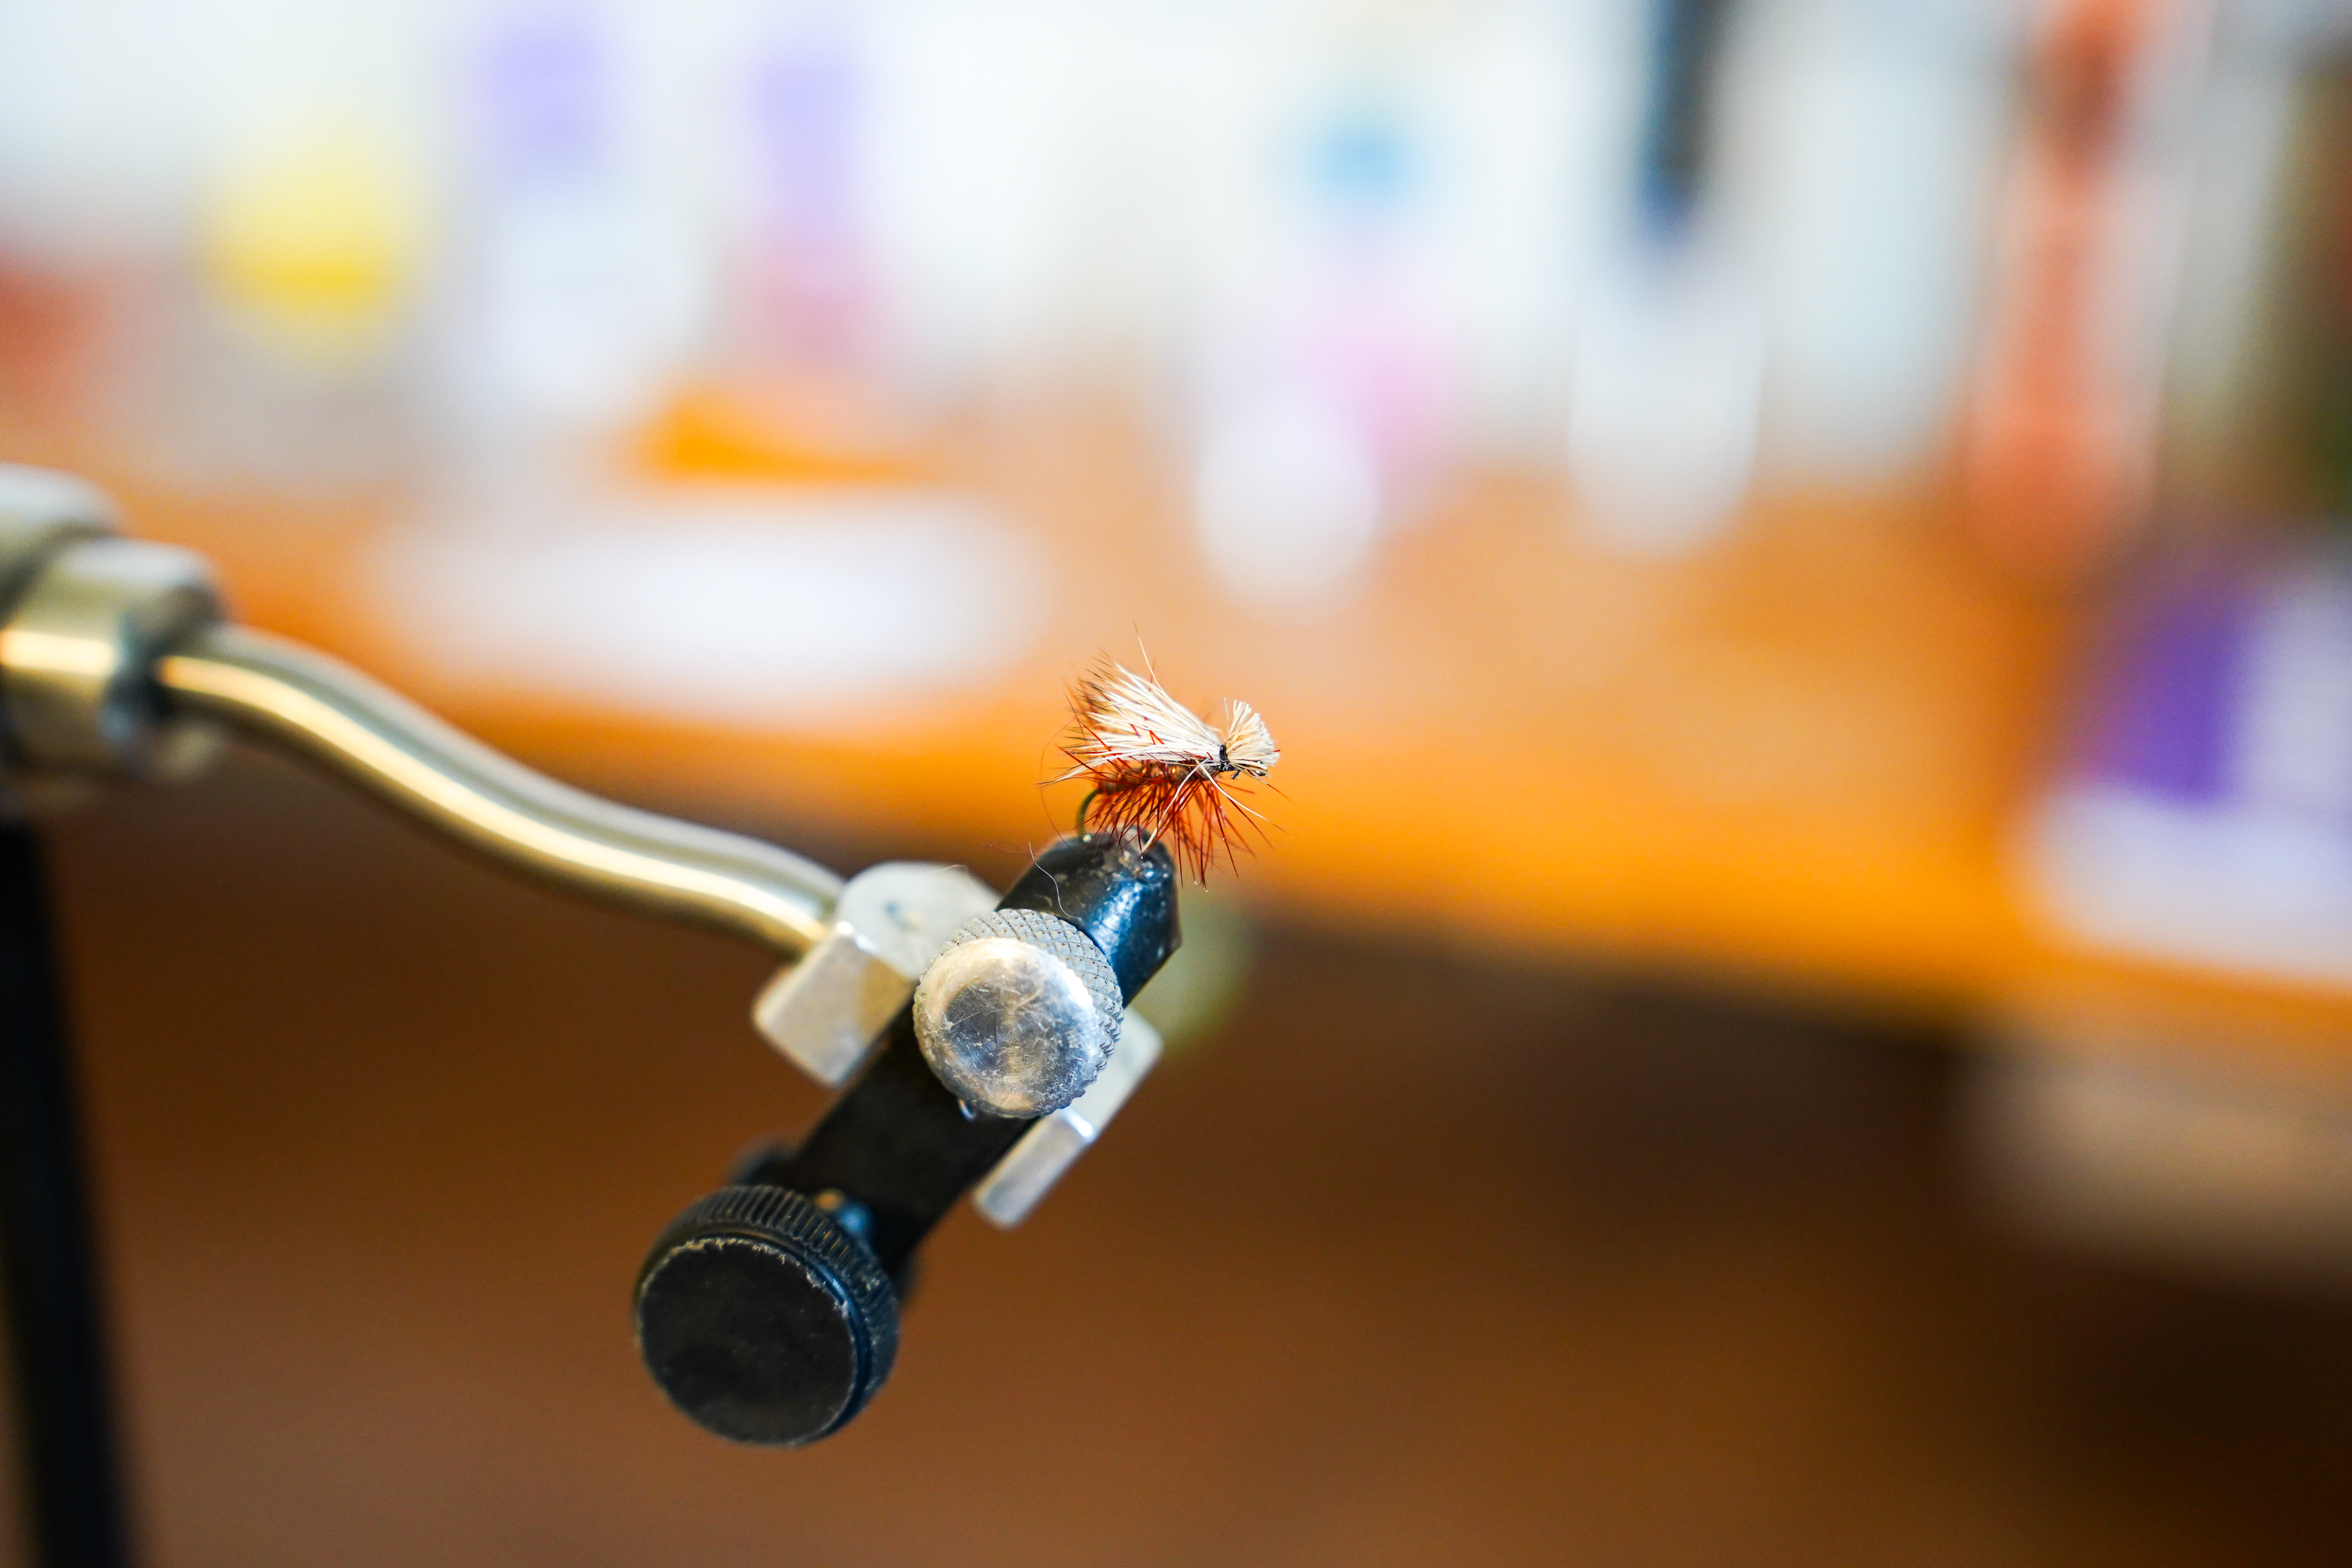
(764, 1319)
(1018, 1012)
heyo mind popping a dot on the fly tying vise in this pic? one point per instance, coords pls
(981, 1041)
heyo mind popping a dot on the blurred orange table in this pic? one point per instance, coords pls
(1797, 758)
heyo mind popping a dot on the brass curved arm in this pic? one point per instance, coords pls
(307, 703)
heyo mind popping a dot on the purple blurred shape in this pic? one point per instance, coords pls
(545, 85)
(804, 106)
(2160, 707)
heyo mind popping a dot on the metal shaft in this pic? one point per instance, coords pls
(283, 693)
(65, 1420)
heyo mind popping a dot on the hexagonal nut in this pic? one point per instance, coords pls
(826, 1013)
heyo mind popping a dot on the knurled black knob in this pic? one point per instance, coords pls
(764, 1319)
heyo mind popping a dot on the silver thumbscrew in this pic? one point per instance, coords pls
(1018, 1012)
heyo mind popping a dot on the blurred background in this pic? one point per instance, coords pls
(1800, 1005)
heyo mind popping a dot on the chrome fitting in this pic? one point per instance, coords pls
(87, 615)
(77, 657)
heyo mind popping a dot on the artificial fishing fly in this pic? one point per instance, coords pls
(1159, 770)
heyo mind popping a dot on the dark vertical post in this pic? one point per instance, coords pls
(1686, 51)
(56, 1343)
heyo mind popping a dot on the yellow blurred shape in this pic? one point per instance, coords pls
(315, 237)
